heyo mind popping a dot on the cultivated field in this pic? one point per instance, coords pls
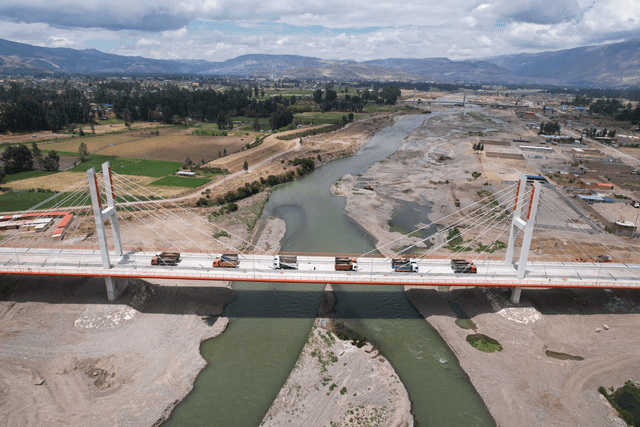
(174, 144)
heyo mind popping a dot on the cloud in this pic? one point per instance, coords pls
(216, 30)
(529, 11)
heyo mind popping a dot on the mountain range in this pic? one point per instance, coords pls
(610, 65)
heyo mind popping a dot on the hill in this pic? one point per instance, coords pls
(612, 65)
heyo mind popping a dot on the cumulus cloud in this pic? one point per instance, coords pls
(216, 30)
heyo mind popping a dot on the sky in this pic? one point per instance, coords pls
(217, 30)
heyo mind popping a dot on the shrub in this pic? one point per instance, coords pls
(232, 207)
(202, 202)
(230, 196)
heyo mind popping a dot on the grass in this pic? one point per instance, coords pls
(393, 227)
(181, 181)
(96, 161)
(484, 343)
(152, 168)
(25, 175)
(13, 201)
(129, 166)
(491, 248)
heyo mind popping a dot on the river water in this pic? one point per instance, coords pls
(251, 360)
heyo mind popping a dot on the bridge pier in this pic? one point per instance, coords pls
(515, 294)
(115, 289)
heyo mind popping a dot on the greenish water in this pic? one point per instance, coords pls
(562, 356)
(251, 360)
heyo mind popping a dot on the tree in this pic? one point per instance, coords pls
(390, 94)
(83, 153)
(37, 154)
(1, 175)
(167, 114)
(245, 166)
(330, 95)
(52, 161)
(256, 124)
(317, 96)
(280, 119)
(17, 158)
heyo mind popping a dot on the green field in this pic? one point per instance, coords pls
(152, 168)
(181, 181)
(128, 166)
(22, 200)
(96, 161)
(25, 175)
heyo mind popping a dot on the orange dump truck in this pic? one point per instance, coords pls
(226, 260)
(346, 263)
(165, 258)
(463, 266)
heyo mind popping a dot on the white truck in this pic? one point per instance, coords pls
(285, 262)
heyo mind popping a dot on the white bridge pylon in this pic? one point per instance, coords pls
(100, 214)
(524, 223)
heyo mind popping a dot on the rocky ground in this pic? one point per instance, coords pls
(521, 385)
(337, 383)
(70, 358)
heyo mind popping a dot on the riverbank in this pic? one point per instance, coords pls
(68, 357)
(437, 169)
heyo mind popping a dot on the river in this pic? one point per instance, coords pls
(251, 360)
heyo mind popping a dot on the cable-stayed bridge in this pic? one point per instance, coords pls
(57, 237)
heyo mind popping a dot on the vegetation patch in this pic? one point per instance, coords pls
(17, 201)
(455, 241)
(395, 228)
(96, 161)
(25, 175)
(152, 168)
(345, 333)
(625, 400)
(181, 181)
(484, 343)
(492, 247)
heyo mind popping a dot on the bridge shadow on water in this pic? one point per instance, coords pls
(279, 301)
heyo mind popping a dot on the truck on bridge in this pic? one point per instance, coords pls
(404, 264)
(226, 260)
(165, 258)
(345, 263)
(285, 262)
(463, 266)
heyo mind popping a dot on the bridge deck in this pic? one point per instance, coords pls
(317, 269)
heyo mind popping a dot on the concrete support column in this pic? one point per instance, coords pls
(115, 289)
(515, 294)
